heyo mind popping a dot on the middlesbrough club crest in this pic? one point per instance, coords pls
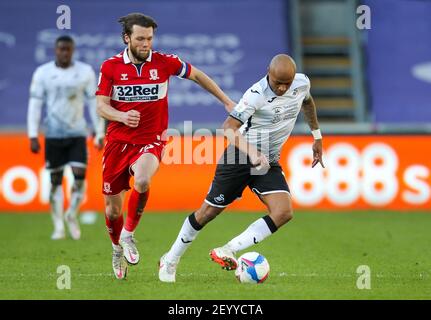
(153, 74)
(107, 187)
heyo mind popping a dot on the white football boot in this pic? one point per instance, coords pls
(119, 264)
(72, 224)
(129, 249)
(224, 257)
(58, 234)
(167, 269)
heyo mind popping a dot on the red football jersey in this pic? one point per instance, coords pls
(142, 88)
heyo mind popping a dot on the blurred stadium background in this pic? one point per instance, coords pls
(373, 82)
(371, 87)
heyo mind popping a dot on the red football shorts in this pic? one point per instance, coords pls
(118, 159)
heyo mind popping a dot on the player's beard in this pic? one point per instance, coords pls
(138, 56)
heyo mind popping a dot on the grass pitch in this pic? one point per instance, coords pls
(315, 256)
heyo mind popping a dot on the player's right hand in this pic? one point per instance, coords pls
(131, 118)
(259, 161)
(34, 145)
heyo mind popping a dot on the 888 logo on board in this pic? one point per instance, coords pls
(373, 175)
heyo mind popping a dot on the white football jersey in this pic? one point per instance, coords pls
(63, 91)
(268, 119)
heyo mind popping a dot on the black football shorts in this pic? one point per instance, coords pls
(62, 151)
(233, 176)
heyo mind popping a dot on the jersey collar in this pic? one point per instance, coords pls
(72, 64)
(268, 87)
(127, 60)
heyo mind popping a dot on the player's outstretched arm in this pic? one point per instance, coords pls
(231, 131)
(309, 109)
(106, 111)
(212, 87)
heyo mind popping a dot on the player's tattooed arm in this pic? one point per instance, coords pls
(309, 109)
(106, 111)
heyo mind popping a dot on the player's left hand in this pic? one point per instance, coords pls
(317, 153)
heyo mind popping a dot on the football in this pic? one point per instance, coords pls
(252, 268)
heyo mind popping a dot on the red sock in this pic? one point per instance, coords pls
(137, 202)
(114, 228)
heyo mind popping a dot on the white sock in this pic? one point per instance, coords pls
(255, 233)
(187, 234)
(56, 199)
(117, 247)
(126, 234)
(76, 198)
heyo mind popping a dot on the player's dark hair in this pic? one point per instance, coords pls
(64, 38)
(136, 19)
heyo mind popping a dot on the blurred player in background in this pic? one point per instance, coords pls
(257, 128)
(133, 95)
(63, 85)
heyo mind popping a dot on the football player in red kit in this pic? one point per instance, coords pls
(133, 95)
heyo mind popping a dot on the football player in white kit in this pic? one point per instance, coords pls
(62, 86)
(257, 128)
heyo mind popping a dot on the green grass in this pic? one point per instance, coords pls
(315, 256)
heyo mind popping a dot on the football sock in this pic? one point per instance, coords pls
(56, 199)
(137, 202)
(114, 228)
(76, 197)
(188, 233)
(255, 233)
(117, 247)
(125, 233)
